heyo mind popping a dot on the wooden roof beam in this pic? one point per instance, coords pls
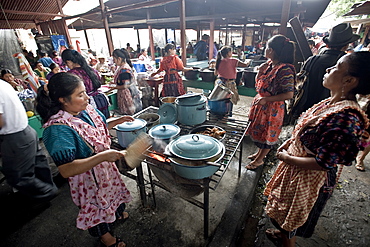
(16, 12)
(18, 21)
(147, 4)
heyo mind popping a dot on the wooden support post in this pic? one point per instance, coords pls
(166, 35)
(106, 27)
(151, 39)
(244, 33)
(87, 39)
(138, 39)
(183, 28)
(284, 17)
(65, 28)
(226, 33)
(211, 39)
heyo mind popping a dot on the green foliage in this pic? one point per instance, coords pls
(341, 7)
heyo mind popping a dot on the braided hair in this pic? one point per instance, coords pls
(75, 57)
(123, 54)
(61, 85)
(284, 49)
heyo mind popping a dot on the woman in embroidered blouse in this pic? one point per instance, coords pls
(274, 84)
(78, 66)
(128, 95)
(327, 134)
(17, 84)
(171, 64)
(226, 71)
(77, 138)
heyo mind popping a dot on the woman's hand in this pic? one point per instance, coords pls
(111, 155)
(114, 122)
(282, 155)
(261, 101)
(284, 146)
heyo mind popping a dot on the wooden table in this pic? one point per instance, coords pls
(154, 82)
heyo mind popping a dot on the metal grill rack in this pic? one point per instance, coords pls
(235, 132)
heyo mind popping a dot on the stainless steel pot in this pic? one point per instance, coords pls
(220, 92)
(191, 109)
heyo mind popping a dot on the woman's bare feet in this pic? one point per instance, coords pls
(254, 164)
(252, 156)
(124, 216)
(110, 241)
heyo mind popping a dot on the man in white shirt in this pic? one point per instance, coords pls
(25, 166)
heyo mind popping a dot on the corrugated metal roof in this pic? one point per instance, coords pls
(200, 12)
(29, 12)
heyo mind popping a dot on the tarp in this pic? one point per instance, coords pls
(27, 72)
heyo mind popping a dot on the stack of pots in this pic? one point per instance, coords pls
(219, 100)
(191, 109)
(127, 132)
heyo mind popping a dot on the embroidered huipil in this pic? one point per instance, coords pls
(99, 191)
(292, 191)
(267, 119)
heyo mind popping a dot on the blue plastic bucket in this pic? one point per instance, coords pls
(139, 67)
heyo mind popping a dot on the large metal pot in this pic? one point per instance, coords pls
(220, 92)
(220, 107)
(207, 75)
(127, 132)
(192, 74)
(162, 134)
(192, 152)
(191, 109)
(239, 74)
(249, 78)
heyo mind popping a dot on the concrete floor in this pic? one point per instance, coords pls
(173, 222)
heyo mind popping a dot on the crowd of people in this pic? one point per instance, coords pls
(330, 126)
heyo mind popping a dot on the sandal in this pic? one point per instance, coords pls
(252, 156)
(124, 217)
(253, 165)
(274, 235)
(360, 166)
(116, 244)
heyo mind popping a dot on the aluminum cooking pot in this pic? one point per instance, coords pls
(162, 135)
(127, 132)
(197, 169)
(207, 75)
(195, 147)
(220, 92)
(191, 109)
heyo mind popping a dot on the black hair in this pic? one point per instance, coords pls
(42, 53)
(284, 49)
(168, 47)
(36, 63)
(142, 50)
(222, 54)
(123, 54)
(5, 71)
(61, 85)
(52, 66)
(311, 42)
(359, 67)
(75, 57)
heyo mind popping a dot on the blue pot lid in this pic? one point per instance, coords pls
(164, 131)
(134, 125)
(191, 100)
(168, 113)
(196, 147)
